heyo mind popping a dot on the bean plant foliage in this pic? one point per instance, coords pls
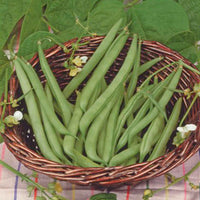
(173, 23)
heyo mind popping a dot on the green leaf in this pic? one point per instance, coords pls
(104, 15)
(184, 43)
(104, 196)
(29, 46)
(83, 7)
(60, 14)
(158, 20)
(72, 32)
(4, 63)
(192, 8)
(10, 13)
(33, 20)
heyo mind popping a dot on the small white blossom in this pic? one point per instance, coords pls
(84, 59)
(186, 129)
(18, 115)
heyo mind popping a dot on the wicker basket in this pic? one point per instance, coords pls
(20, 140)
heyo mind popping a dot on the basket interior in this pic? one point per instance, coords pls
(149, 50)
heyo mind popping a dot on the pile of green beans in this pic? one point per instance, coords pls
(120, 123)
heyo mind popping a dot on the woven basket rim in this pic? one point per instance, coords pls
(100, 176)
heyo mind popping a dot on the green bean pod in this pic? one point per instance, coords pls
(168, 130)
(95, 95)
(34, 115)
(52, 138)
(144, 67)
(134, 77)
(124, 155)
(53, 84)
(83, 161)
(100, 103)
(50, 99)
(151, 136)
(110, 130)
(101, 142)
(69, 141)
(93, 61)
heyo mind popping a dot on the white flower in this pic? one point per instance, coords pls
(18, 115)
(84, 59)
(186, 129)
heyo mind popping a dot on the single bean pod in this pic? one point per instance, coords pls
(49, 95)
(151, 136)
(101, 142)
(33, 113)
(124, 155)
(134, 77)
(167, 132)
(53, 84)
(83, 161)
(95, 95)
(144, 67)
(100, 103)
(69, 141)
(93, 61)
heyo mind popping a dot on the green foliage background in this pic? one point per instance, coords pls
(175, 23)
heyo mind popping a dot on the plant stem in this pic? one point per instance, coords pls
(156, 72)
(178, 179)
(24, 177)
(48, 24)
(131, 3)
(188, 110)
(5, 95)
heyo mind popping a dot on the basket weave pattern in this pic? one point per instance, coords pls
(20, 140)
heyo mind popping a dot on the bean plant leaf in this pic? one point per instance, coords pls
(33, 20)
(72, 32)
(4, 63)
(60, 14)
(104, 15)
(101, 196)
(83, 7)
(192, 8)
(158, 20)
(184, 43)
(29, 47)
(10, 13)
